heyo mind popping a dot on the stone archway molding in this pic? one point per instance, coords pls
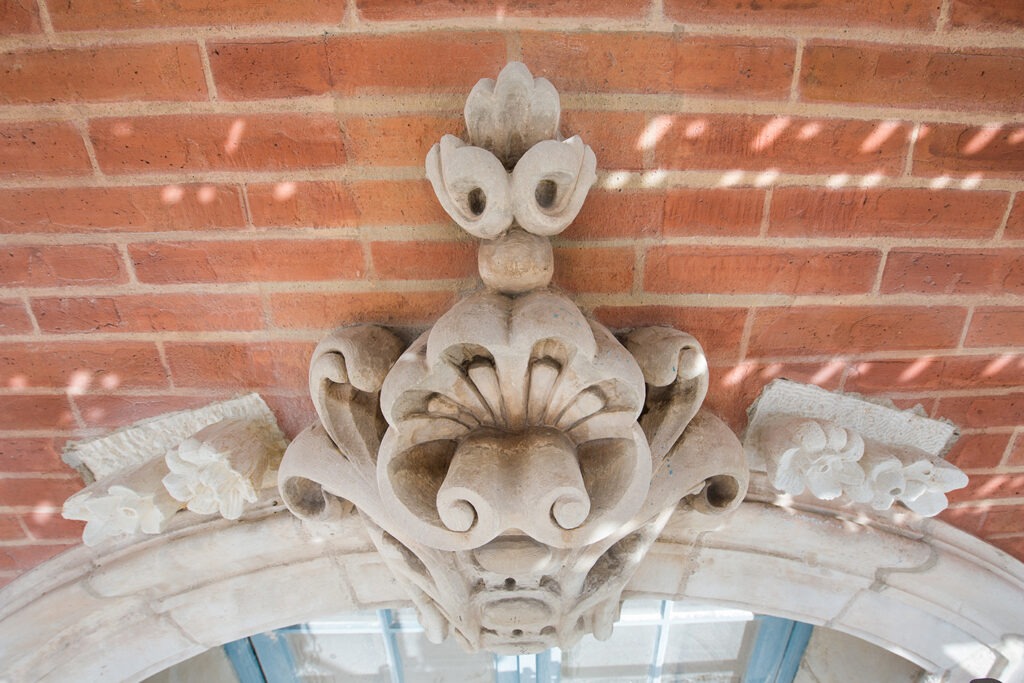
(949, 602)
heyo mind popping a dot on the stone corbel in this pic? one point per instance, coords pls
(844, 448)
(516, 462)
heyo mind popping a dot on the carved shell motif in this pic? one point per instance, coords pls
(515, 463)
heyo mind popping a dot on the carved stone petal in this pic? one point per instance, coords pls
(550, 184)
(510, 115)
(472, 186)
(129, 502)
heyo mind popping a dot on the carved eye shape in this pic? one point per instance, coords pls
(472, 186)
(546, 193)
(477, 201)
(550, 183)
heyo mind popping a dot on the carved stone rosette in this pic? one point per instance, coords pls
(516, 462)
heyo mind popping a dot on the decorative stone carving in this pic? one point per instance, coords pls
(220, 468)
(863, 451)
(516, 462)
(125, 504)
(151, 438)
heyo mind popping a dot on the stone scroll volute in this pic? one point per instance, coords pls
(515, 463)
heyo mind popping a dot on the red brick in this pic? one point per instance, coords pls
(309, 204)
(930, 373)
(423, 260)
(49, 525)
(1013, 545)
(922, 406)
(996, 326)
(614, 136)
(79, 366)
(322, 311)
(719, 330)
(42, 149)
(217, 142)
(14, 318)
(718, 212)
(118, 14)
(930, 77)
(72, 264)
(618, 214)
(838, 14)
(392, 203)
(418, 10)
(31, 455)
(22, 411)
(649, 63)
(1015, 221)
(25, 557)
(965, 519)
(444, 61)
(782, 144)
(149, 313)
(282, 67)
(814, 330)
(335, 204)
(19, 16)
(10, 528)
(983, 411)
(103, 74)
(816, 212)
(100, 209)
(954, 272)
(1016, 454)
(987, 14)
(989, 486)
(237, 366)
(352, 64)
(1004, 519)
(594, 269)
(745, 270)
(974, 451)
(111, 411)
(293, 413)
(977, 151)
(396, 140)
(247, 261)
(735, 386)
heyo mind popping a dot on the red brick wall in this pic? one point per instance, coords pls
(193, 192)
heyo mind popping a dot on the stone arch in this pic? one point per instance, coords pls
(124, 610)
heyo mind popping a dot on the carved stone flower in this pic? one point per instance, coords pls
(884, 485)
(221, 468)
(823, 460)
(121, 512)
(927, 483)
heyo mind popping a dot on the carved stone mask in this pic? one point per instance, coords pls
(516, 462)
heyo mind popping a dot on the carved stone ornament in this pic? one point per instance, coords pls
(839, 446)
(515, 463)
(146, 473)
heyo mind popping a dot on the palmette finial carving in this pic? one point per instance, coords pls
(516, 462)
